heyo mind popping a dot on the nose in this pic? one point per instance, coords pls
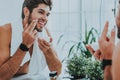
(45, 17)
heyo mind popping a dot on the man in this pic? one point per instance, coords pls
(34, 18)
(116, 54)
(108, 51)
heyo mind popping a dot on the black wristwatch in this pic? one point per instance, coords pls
(23, 47)
(105, 63)
(53, 75)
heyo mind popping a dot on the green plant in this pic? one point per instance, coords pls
(76, 66)
(90, 37)
(94, 70)
(79, 66)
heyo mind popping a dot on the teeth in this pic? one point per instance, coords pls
(41, 23)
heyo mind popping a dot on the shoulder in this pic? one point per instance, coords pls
(5, 33)
(4, 28)
(5, 39)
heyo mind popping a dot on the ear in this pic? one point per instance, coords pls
(26, 11)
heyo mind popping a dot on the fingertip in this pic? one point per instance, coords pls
(107, 22)
(87, 45)
(113, 35)
(39, 38)
(50, 39)
(35, 31)
(106, 25)
(113, 32)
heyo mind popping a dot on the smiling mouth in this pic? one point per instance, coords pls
(41, 22)
(40, 26)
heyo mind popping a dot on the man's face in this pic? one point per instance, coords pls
(118, 21)
(40, 13)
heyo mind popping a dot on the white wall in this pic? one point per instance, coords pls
(10, 10)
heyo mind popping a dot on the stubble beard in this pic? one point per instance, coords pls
(36, 28)
(118, 33)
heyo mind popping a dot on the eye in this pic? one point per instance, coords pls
(40, 12)
(48, 14)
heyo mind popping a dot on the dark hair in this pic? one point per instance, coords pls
(31, 4)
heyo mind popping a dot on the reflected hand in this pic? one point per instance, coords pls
(107, 45)
(29, 34)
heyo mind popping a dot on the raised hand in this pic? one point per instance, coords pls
(29, 33)
(107, 45)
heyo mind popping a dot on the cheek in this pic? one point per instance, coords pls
(34, 16)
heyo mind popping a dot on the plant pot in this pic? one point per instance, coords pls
(78, 78)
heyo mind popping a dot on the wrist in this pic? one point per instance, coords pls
(108, 57)
(53, 75)
(106, 62)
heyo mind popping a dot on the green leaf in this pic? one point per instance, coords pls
(59, 39)
(71, 50)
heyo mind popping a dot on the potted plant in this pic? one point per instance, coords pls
(94, 70)
(76, 66)
(81, 67)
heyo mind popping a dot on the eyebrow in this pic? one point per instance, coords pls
(43, 11)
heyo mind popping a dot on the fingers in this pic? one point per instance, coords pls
(107, 38)
(34, 33)
(51, 39)
(112, 38)
(90, 49)
(44, 45)
(97, 54)
(25, 26)
(105, 30)
(49, 35)
(32, 25)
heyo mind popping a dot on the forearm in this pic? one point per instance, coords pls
(107, 73)
(12, 65)
(23, 69)
(53, 62)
